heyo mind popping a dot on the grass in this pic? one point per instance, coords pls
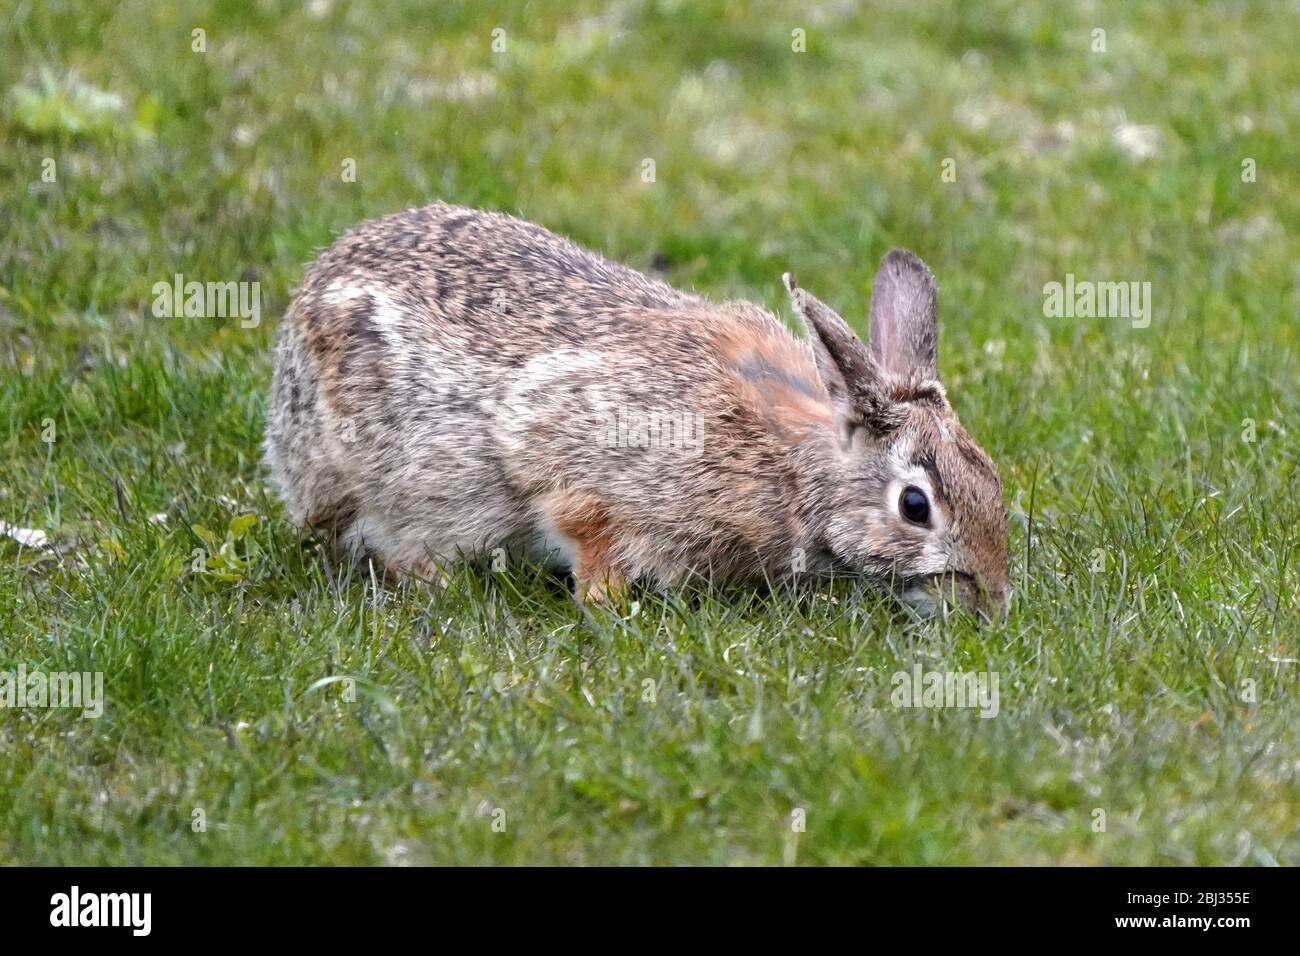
(1148, 667)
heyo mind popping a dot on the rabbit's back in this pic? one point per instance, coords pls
(450, 268)
(445, 374)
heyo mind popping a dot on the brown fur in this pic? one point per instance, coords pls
(587, 522)
(451, 382)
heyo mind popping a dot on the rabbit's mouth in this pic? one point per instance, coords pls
(928, 594)
(917, 596)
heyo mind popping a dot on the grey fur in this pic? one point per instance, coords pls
(449, 381)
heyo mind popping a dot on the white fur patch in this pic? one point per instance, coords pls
(550, 547)
(933, 558)
(517, 408)
(339, 293)
(385, 313)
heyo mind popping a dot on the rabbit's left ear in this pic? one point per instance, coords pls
(844, 364)
(904, 317)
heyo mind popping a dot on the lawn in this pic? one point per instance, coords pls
(266, 706)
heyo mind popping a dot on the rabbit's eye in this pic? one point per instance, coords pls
(914, 505)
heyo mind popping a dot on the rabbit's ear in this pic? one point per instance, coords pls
(842, 360)
(844, 364)
(904, 320)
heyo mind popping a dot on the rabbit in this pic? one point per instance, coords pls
(457, 383)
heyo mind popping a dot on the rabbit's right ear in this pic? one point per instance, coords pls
(904, 317)
(844, 364)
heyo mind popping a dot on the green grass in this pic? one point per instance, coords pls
(1155, 551)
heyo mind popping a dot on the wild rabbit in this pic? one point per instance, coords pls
(449, 382)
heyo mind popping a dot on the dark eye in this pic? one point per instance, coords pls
(914, 505)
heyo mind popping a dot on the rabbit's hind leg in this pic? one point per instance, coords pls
(403, 555)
